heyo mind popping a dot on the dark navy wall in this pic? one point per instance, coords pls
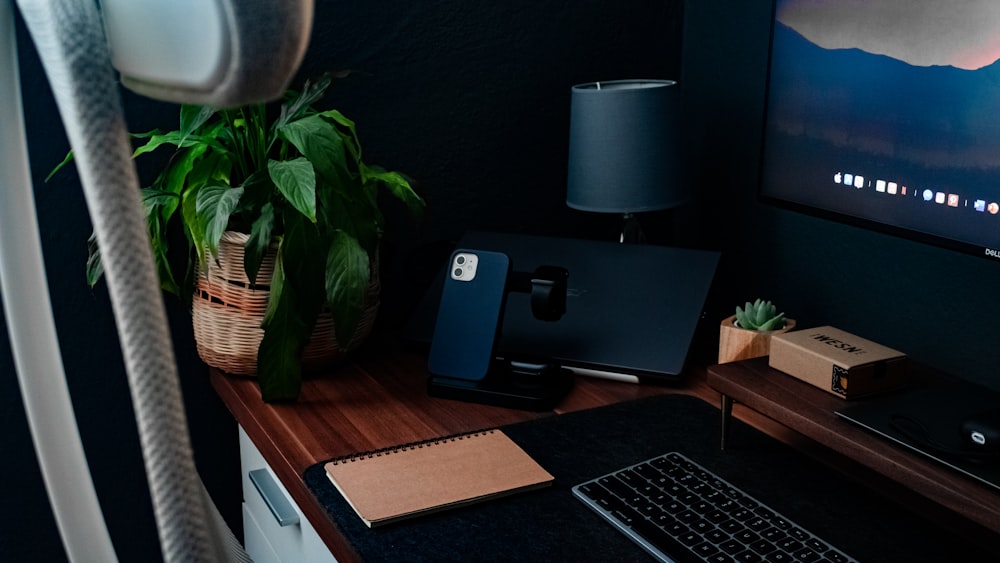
(469, 98)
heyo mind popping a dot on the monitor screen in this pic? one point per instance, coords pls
(887, 113)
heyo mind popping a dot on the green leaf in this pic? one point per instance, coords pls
(259, 190)
(774, 323)
(359, 217)
(215, 203)
(193, 227)
(400, 188)
(65, 161)
(277, 287)
(193, 117)
(177, 176)
(762, 313)
(158, 139)
(160, 246)
(353, 142)
(296, 180)
(302, 251)
(154, 200)
(348, 273)
(294, 304)
(259, 242)
(320, 142)
(279, 356)
(179, 139)
(95, 269)
(741, 317)
(299, 104)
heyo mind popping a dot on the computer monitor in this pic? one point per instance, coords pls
(887, 114)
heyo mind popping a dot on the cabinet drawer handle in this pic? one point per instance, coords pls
(282, 510)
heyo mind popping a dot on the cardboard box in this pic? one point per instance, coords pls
(838, 362)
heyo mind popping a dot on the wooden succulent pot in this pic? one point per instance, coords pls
(737, 343)
(227, 312)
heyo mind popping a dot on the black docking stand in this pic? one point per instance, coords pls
(516, 382)
(516, 385)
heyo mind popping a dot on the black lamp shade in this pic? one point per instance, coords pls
(623, 147)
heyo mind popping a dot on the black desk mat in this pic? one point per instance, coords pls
(552, 525)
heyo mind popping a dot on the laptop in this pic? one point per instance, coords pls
(631, 310)
(926, 420)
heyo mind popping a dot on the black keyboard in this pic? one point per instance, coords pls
(679, 511)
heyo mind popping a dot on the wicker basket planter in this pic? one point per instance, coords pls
(227, 313)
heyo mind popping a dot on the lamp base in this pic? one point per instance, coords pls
(631, 230)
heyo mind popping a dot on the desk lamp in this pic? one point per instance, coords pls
(623, 150)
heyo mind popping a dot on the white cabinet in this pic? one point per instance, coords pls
(274, 529)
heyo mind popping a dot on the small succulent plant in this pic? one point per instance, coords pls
(760, 316)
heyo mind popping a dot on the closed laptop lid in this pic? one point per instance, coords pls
(937, 410)
(630, 309)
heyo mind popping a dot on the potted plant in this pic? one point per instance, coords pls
(285, 190)
(747, 334)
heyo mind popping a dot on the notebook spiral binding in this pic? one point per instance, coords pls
(410, 446)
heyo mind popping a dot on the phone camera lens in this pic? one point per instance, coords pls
(460, 260)
(458, 272)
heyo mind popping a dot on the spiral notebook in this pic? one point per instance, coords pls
(403, 482)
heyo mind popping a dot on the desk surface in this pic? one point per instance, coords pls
(377, 401)
(380, 400)
(811, 412)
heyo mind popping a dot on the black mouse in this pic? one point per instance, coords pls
(982, 431)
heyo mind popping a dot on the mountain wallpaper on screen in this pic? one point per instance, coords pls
(932, 116)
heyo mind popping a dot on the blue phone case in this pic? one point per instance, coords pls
(469, 315)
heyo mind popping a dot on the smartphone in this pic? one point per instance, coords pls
(470, 314)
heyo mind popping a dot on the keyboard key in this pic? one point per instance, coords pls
(733, 526)
(616, 486)
(702, 526)
(706, 549)
(660, 539)
(773, 535)
(716, 536)
(688, 516)
(732, 546)
(679, 510)
(806, 555)
(757, 524)
(790, 545)
(798, 533)
(748, 556)
(762, 546)
(691, 539)
(816, 545)
(780, 523)
(717, 516)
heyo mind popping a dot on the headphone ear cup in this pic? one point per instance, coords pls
(265, 42)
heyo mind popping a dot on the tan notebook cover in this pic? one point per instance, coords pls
(403, 482)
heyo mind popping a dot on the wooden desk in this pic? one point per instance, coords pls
(925, 485)
(378, 401)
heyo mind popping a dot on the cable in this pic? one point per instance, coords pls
(32, 329)
(69, 37)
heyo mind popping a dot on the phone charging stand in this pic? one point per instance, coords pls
(516, 385)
